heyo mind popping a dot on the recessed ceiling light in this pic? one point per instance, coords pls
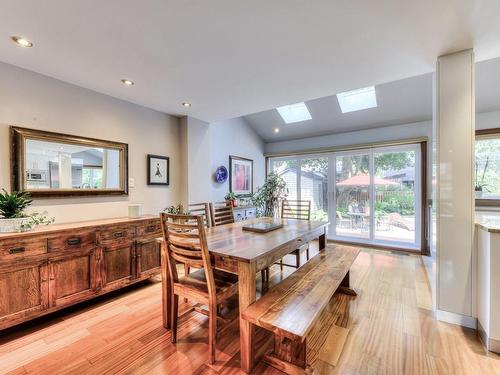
(128, 82)
(276, 130)
(356, 100)
(186, 104)
(23, 42)
(294, 113)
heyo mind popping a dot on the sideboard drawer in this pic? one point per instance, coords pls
(73, 240)
(117, 234)
(150, 228)
(21, 247)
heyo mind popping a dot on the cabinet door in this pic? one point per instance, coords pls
(118, 265)
(239, 215)
(250, 213)
(23, 291)
(148, 257)
(72, 277)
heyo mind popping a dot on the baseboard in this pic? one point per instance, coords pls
(453, 318)
(491, 344)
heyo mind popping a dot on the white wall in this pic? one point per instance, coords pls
(234, 137)
(389, 133)
(488, 120)
(31, 100)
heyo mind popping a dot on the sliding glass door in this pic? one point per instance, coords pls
(377, 196)
(370, 196)
(352, 195)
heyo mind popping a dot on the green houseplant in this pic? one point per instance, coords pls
(230, 199)
(13, 217)
(267, 197)
(175, 210)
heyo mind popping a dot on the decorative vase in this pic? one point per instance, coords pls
(134, 211)
(13, 225)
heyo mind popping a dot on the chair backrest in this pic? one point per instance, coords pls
(221, 214)
(186, 243)
(296, 209)
(201, 209)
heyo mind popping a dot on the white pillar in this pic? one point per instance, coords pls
(195, 159)
(455, 193)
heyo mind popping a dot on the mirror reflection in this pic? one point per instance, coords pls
(54, 165)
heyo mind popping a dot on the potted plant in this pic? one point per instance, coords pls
(231, 199)
(267, 197)
(13, 215)
(175, 210)
(479, 186)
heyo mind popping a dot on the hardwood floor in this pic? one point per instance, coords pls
(391, 331)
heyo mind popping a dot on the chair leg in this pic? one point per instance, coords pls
(186, 272)
(212, 332)
(173, 321)
(307, 253)
(297, 258)
(281, 264)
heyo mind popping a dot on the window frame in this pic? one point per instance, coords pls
(485, 202)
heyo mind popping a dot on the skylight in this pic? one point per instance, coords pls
(294, 113)
(356, 100)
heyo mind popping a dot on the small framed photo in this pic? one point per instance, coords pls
(158, 170)
(240, 176)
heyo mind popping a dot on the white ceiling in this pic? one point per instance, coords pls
(231, 58)
(401, 102)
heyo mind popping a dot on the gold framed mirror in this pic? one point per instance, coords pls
(48, 164)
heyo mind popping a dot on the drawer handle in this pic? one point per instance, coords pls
(17, 250)
(299, 239)
(150, 228)
(74, 241)
(118, 234)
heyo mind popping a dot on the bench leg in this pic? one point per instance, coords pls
(322, 241)
(289, 356)
(345, 286)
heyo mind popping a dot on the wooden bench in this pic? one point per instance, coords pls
(292, 308)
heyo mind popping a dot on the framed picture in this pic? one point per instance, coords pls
(240, 176)
(158, 170)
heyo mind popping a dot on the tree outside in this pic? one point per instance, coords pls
(487, 168)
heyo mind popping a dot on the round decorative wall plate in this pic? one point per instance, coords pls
(221, 174)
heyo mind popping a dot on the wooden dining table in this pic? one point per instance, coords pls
(245, 253)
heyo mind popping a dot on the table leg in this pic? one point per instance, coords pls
(165, 288)
(246, 285)
(322, 241)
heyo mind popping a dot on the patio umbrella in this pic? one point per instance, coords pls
(364, 180)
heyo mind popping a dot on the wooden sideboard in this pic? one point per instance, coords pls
(56, 266)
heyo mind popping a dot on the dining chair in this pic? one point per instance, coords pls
(222, 214)
(203, 210)
(186, 242)
(299, 210)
